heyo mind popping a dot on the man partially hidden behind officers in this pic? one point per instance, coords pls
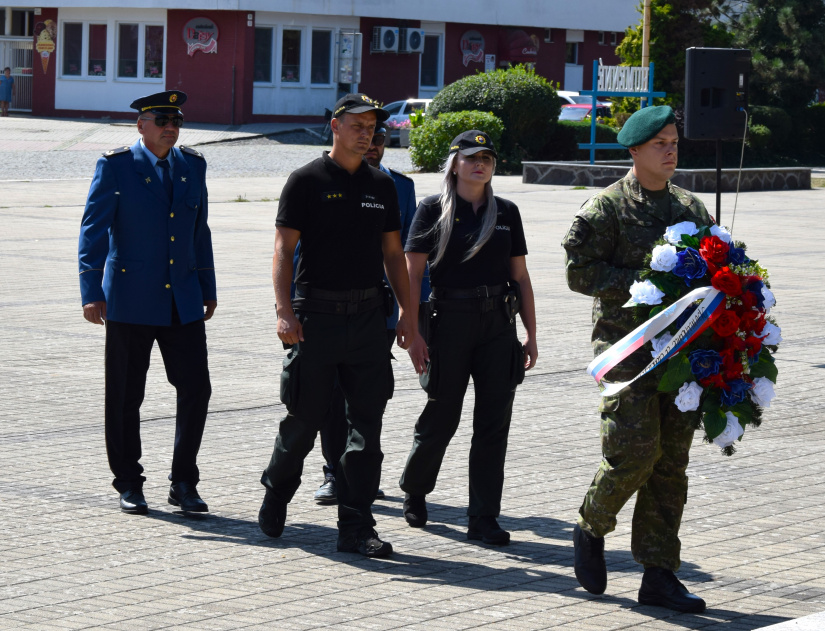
(346, 215)
(146, 270)
(645, 438)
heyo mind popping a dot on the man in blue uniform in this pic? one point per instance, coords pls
(147, 273)
(334, 431)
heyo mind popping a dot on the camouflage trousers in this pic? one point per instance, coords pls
(645, 445)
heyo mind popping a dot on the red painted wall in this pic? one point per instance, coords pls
(388, 77)
(591, 50)
(207, 78)
(43, 83)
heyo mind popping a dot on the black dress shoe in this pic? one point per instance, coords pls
(661, 588)
(327, 493)
(133, 502)
(367, 543)
(485, 528)
(185, 495)
(591, 571)
(380, 495)
(415, 510)
(272, 516)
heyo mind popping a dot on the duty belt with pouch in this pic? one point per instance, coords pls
(337, 302)
(483, 298)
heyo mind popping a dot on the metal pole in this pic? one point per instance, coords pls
(719, 181)
(646, 41)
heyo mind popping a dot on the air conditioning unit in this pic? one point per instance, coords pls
(384, 39)
(411, 40)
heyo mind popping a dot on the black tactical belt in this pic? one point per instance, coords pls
(343, 302)
(462, 293)
(343, 295)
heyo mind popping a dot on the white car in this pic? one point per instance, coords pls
(400, 113)
(574, 98)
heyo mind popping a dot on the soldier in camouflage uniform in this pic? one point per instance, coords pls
(645, 438)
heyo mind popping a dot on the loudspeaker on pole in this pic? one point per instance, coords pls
(716, 93)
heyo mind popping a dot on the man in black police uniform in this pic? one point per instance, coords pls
(146, 270)
(346, 216)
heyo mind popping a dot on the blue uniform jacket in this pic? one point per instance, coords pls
(405, 188)
(137, 250)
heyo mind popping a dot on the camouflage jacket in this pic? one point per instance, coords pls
(605, 251)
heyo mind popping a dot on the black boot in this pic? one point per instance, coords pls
(661, 588)
(486, 529)
(272, 516)
(415, 510)
(591, 570)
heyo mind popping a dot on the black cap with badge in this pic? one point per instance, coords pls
(168, 102)
(358, 104)
(471, 142)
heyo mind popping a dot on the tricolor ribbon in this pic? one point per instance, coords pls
(713, 303)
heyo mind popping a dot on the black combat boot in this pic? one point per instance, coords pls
(591, 570)
(661, 588)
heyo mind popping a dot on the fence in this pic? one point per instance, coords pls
(16, 53)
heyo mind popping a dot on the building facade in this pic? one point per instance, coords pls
(243, 61)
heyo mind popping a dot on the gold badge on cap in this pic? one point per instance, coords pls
(480, 140)
(365, 98)
(173, 98)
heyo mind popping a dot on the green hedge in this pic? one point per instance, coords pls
(565, 136)
(526, 103)
(430, 143)
(780, 124)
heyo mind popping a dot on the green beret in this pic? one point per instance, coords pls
(645, 124)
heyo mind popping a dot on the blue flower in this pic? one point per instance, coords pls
(690, 265)
(738, 389)
(683, 317)
(756, 288)
(704, 363)
(736, 256)
(755, 358)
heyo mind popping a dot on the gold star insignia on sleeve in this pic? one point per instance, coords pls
(148, 179)
(329, 196)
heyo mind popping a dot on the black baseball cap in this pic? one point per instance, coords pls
(168, 102)
(358, 104)
(471, 142)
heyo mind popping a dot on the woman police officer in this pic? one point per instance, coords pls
(476, 249)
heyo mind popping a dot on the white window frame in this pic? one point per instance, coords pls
(141, 54)
(84, 51)
(440, 71)
(303, 63)
(332, 33)
(273, 52)
(602, 39)
(614, 38)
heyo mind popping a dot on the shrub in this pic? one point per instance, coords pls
(780, 124)
(430, 143)
(759, 137)
(526, 103)
(810, 130)
(565, 137)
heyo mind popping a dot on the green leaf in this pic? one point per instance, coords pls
(656, 310)
(715, 423)
(667, 283)
(713, 401)
(677, 373)
(704, 231)
(690, 241)
(744, 411)
(765, 367)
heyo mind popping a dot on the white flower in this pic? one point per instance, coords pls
(660, 342)
(731, 433)
(674, 233)
(762, 392)
(722, 233)
(663, 258)
(771, 335)
(688, 398)
(770, 301)
(646, 293)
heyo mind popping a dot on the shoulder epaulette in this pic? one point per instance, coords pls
(192, 152)
(406, 177)
(114, 152)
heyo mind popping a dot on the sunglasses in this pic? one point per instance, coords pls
(378, 140)
(163, 121)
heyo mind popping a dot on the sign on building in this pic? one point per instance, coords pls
(200, 34)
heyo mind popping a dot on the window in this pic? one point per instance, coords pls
(263, 55)
(601, 38)
(429, 61)
(97, 50)
(321, 57)
(548, 35)
(291, 56)
(572, 53)
(140, 51)
(72, 48)
(613, 38)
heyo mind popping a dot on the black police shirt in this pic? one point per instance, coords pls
(342, 218)
(490, 265)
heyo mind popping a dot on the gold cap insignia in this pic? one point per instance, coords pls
(480, 140)
(173, 98)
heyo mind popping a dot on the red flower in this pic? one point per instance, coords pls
(725, 324)
(754, 345)
(714, 250)
(714, 381)
(748, 299)
(735, 343)
(727, 282)
(731, 365)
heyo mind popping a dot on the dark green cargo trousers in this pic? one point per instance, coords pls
(353, 347)
(465, 344)
(645, 444)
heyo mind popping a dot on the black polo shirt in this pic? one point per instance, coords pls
(342, 218)
(490, 265)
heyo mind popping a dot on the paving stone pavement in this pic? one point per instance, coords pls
(753, 530)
